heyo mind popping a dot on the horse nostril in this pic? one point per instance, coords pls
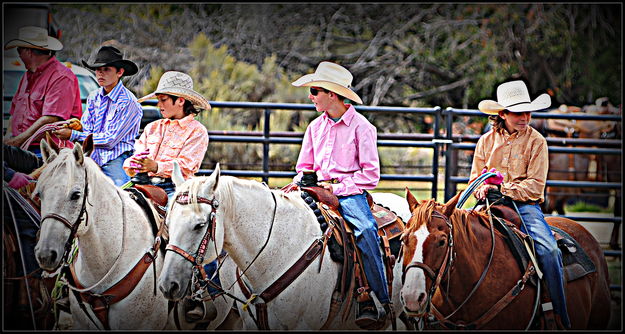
(421, 298)
(173, 288)
(53, 256)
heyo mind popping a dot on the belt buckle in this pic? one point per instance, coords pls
(157, 180)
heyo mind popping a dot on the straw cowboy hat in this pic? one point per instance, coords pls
(34, 38)
(179, 84)
(111, 56)
(332, 77)
(514, 96)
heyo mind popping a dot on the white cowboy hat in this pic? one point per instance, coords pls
(179, 84)
(34, 38)
(515, 97)
(332, 77)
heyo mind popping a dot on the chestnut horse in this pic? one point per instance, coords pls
(437, 233)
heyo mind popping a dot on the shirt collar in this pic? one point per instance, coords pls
(115, 92)
(347, 117)
(183, 122)
(46, 65)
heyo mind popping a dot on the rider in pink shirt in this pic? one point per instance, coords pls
(345, 150)
(341, 147)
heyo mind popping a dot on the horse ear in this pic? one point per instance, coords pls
(79, 154)
(215, 176)
(88, 145)
(52, 143)
(412, 201)
(47, 153)
(176, 175)
(450, 206)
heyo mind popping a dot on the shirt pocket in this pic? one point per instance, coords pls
(345, 156)
(173, 148)
(152, 142)
(36, 101)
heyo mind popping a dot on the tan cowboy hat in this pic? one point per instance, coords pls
(515, 97)
(34, 38)
(332, 77)
(179, 84)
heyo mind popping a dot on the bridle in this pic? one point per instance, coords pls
(436, 277)
(197, 257)
(428, 308)
(73, 228)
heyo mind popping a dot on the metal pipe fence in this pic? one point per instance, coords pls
(443, 143)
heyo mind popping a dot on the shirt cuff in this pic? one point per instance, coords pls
(75, 135)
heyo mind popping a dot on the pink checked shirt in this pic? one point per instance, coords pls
(184, 140)
(345, 150)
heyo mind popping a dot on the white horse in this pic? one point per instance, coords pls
(263, 236)
(113, 235)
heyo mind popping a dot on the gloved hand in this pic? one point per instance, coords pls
(19, 180)
(496, 180)
(138, 156)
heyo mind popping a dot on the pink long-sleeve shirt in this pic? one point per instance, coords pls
(345, 150)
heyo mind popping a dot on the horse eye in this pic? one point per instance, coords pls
(199, 226)
(75, 195)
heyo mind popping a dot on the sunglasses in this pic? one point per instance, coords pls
(314, 91)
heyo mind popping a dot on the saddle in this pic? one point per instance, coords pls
(153, 200)
(342, 244)
(574, 259)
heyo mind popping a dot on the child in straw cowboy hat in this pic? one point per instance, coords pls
(177, 136)
(519, 153)
(341, 145)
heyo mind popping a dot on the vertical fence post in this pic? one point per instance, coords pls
(450, 187)
(266, 146)
(436, 151)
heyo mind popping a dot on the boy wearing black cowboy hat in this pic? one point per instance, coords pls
(113, 114)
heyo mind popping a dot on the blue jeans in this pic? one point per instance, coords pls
(356, 211)
(549, 256)
(115, 171)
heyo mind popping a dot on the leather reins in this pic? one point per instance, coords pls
(429, 308)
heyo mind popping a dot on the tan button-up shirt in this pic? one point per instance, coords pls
(522, 158)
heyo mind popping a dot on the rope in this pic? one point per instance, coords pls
(477, 182)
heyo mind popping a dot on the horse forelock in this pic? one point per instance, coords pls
(421, 215)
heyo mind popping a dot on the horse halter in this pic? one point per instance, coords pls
(197, 259)
(72, 227)
(436, 277)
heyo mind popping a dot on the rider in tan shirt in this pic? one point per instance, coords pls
(520, 154)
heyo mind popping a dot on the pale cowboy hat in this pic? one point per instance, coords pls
(179, 84)
(111, 56)
(515, 97)
(332, 77)
(34, 38)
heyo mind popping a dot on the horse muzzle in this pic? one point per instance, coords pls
(49, 258)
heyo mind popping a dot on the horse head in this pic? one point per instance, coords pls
(62, 189)
(427, 248)
(195, 234)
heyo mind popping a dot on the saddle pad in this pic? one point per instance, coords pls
(575, 260)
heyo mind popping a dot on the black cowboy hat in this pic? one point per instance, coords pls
(110, 56)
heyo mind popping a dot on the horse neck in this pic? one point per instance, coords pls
(115, 225)
(472, 245)
(249, 224)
